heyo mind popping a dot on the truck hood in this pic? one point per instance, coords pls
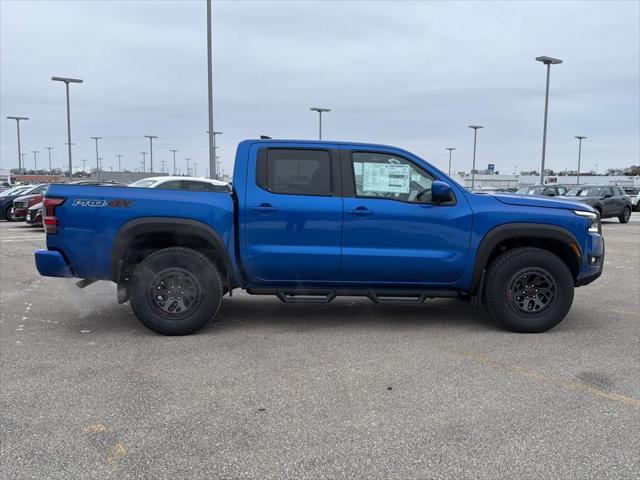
(533, 201)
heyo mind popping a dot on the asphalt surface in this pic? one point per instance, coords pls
(345, 390)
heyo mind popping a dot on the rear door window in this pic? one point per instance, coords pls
(172, 185)
(195, 186)
(295, 171)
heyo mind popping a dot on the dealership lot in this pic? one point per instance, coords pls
(345, 390)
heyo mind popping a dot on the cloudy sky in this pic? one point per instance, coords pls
(411, 74)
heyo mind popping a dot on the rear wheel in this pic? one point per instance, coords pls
(625, 216)
(176, 291)
(528, 290)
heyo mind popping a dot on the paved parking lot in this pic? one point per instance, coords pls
(345, 390)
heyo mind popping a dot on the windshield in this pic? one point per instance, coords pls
(144, 183)
(531, 191)
(584, 192)
(14, 190)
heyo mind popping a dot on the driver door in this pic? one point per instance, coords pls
(392, 233)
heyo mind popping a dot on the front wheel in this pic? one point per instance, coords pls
(175, 291)
(7, 214)
(528, 290)
(625, 216)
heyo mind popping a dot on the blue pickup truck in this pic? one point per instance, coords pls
(308, 221)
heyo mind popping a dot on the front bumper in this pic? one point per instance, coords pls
(19, 213)
(593, 263)
(52, 264)
(34, 217)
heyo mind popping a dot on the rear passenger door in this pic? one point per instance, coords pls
(293, 215)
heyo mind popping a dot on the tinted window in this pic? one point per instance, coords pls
(385, 176)
(143, 183)
(195, 186)
(172, 185)
(295, 172)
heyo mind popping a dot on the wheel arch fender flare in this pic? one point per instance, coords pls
(148, 225)
(501, 233)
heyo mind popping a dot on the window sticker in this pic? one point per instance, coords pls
(377, 177)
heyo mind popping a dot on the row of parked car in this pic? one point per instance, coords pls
(24, 202)
(609, 200)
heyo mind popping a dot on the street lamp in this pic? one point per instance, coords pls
(67, 81)
(151, 137)
(97, 159)
(174, 160)
(580, 138)
(473, 168)
(187, 159)
(163, 162)
(195, 169)
(35, 160)
(17, 119)
(212, 134)
(451, 149)
(119, 162)
(49, 148)
(144, 161)
(320, 111)
(548, 61)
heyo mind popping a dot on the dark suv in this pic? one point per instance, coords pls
(608, 200)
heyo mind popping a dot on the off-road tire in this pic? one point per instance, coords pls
(498, 295)
(202, 274)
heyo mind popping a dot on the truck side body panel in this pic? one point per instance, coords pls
(92, 216)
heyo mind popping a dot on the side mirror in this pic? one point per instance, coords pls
(440, 191)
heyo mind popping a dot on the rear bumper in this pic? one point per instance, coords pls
(52, 264)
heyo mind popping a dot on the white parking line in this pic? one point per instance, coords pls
(17, 239)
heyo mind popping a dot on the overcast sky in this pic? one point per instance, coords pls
(411, 74)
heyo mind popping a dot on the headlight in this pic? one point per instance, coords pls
(592, 218)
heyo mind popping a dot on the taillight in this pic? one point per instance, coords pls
(49, 219)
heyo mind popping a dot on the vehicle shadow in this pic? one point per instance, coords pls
(243, 311)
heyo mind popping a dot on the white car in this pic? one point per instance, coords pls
(193, 184)
(634, 195)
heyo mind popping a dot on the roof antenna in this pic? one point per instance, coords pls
(264, 137)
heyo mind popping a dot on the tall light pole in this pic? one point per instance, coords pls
(320, 111)
(151, 137)
(35, 160)
(548, 61)
(84, 164)
(67, 81)
(144, 161)
(49, 148)
(22, 155)
(174, 160)
(195, 169)
(187, 159)
(473, 168)
(97, 156)
(163, 162)
(17, 119)
(212, 141)
(580, 138)
(119, 162)
(451, 149)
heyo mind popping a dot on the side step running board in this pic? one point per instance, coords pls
(322, 295)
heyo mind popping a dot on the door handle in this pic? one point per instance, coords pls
(264, 208)
(360, 211)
